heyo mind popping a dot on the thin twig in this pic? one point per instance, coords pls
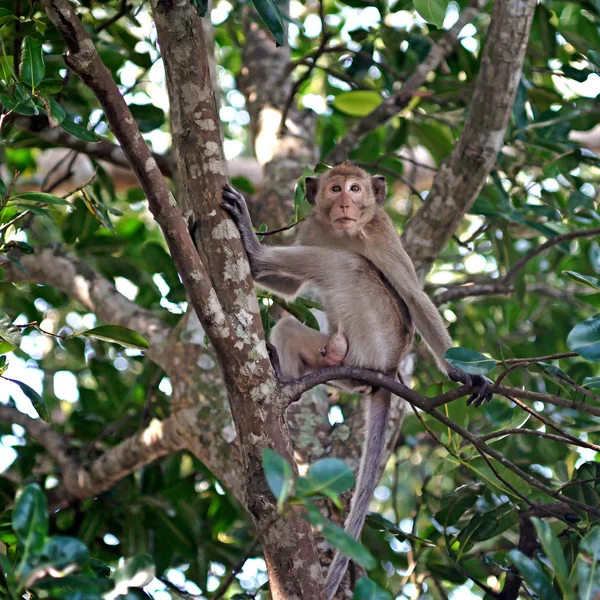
(240, 565)
(274, 231)
(124, 8)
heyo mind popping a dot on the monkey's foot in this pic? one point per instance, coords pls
(483, 394)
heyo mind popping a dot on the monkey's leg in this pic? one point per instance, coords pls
(299, 350)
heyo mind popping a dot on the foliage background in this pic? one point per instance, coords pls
(544, 183)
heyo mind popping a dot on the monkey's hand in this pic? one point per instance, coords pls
(235, 205)
(335, 351)
(483, 394)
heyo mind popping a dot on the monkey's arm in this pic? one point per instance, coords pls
(287, 286)
(387, 253)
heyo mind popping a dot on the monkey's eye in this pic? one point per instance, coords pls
(336, 188)
(355, 188)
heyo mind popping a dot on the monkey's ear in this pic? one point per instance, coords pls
(312, 186)
(379, 188)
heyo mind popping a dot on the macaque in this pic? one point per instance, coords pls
(349, 250)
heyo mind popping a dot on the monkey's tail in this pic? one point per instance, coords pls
(368, 477)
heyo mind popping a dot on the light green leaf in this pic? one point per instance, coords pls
(41, 197)
(469, 361)
(271, 17)
(554, 553)
(326, 476)
(279, 474)
(588, 565)
(584, 339)
(366, 589)
(433, 11)
(136, 571)
(33, 68)
(591, 383)
(117, 334)
(591, 282)
(358, 103)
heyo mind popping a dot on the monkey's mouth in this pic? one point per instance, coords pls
(346, 220)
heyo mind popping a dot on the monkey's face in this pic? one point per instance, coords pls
(348, 202)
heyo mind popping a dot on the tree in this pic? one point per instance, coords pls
(151, 422)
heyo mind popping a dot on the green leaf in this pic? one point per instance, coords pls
(136, 571)
(57, 112)
(469, 361)
(588, 565)
(594, 58)
(591, 383)
(120, 335)
(36, 400)
(357, 103)
(555, 555)
(456, 504)
(10, 336)
(30, 519)
(61, 551)
(148, 117)
(271, 17)
(329, 476)
(584, 339)
(6, 16)
(338, 538)
(33, 68)
(433, 11)
(3, 364)
(16, 105)
(591, 282)
(366, 589)
(41, 197)
(78, 131)
(201, 6)
(279, 474)
(533, 575)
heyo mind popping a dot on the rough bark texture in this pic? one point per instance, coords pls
(462, 176)
(289, 549)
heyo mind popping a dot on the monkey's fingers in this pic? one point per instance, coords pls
(483, 394)
(274, 356)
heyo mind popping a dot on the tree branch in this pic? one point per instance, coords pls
(53, 266)
(462, 176)
(394, 104)
(102, 150)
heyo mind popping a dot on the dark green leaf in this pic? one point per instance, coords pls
(588, 571)
(469, 361)
(6, 16)
(17, 106)
(33, 68)
(41, 197)
(594, 58)
(10, 336)
(35, 399)
(201, 6)
(148, 117)
(456, 504)
(533, 575)
(584, 339)
(366, 589)
(30, 519)
(279, 474)
(271, 17)
(120, 335)
(62, 551)
(357, 103)
(78, 131)
(591, 383)
(433, 11)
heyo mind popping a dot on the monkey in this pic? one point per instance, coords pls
(371, 296)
